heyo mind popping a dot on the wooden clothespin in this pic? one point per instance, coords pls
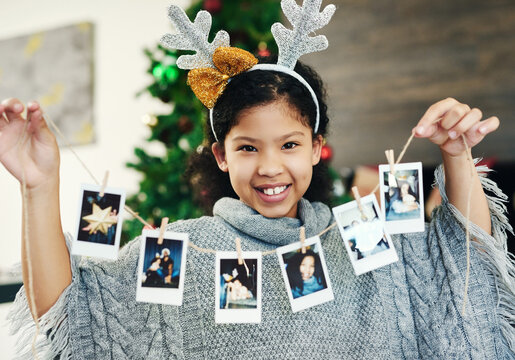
(391, 160)
(164, 222)
(392, 181)
(355, 192)
(238, 250)
(104, 184)
(302, 239)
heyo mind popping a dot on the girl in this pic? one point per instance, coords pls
(270, 178)
(305, 274)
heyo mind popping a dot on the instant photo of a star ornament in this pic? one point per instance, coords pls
(100, 220)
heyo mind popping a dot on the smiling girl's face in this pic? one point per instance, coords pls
(270, 155)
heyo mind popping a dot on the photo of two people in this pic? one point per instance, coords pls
(161, 267)
(162, 263)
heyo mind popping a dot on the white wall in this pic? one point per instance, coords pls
(122, 30)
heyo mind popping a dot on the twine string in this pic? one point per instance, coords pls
(70, 147)
(467, 225)
(32, 297)
(270, 252)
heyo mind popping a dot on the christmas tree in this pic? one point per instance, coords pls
(163, 190)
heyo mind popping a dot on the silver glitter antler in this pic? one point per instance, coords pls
(193, 36)
(306, 19)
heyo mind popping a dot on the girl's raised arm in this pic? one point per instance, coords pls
(29, 151)
(444, 123)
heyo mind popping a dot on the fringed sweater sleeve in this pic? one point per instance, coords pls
(97, 316)
(424, 291)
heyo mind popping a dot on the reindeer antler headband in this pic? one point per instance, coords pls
(215, 63)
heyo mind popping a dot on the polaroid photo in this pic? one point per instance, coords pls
(368, 244)
(305, 274)
(161, 268)
(99, 222)
(402, 198)
(238, 288)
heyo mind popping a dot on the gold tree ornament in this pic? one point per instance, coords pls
(100, 220)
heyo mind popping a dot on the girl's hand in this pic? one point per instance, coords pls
(27, 146)
(445, 121)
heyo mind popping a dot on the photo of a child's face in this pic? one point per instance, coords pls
(305, 272)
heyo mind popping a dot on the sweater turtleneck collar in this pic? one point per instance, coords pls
(315, 217)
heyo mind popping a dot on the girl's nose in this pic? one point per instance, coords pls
(270, 165)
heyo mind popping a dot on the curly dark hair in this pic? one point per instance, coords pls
(293, 270)
(245, 91)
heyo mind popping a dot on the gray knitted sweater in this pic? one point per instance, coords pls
(407, 310)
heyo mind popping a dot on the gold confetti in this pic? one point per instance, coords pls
(54, 97)
(84, 27)
(34, 44)
(85, 134)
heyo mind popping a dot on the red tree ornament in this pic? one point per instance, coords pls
(213, 6)
(263, 50)
(326, 153)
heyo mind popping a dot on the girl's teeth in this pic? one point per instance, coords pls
(274, 191)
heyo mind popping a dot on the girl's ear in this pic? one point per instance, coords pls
(317, 149)
(219, 153)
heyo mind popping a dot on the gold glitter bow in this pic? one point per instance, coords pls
(208, 83)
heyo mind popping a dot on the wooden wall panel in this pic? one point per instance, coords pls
(389, 60)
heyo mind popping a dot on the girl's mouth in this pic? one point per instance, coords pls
(273, 194)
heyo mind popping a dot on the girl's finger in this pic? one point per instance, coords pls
(427, 126)
(439, 137)
(467, 122)
(39, 128)
(35, 119)
(13, 109)
(454, 115)
(489, 125)
(32, 106)
(483, 128)
(35, 116)
(477, 132)
(3, 119)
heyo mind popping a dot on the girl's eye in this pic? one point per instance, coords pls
(289, 145)
(247, 148)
